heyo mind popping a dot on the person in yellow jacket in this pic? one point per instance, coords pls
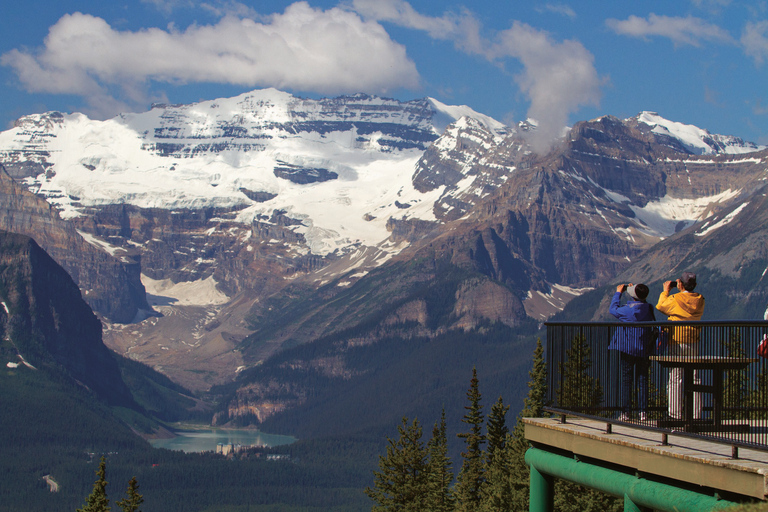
(686, 305)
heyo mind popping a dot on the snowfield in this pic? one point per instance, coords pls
(222, 153)
(118, 162)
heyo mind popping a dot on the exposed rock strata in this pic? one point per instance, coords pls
(111, 285)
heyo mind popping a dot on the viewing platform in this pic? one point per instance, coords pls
(677, 430)
(697, 464)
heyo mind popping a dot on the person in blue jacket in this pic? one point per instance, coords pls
(634, 344)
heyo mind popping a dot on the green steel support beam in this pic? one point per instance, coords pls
(631, 506)
(638, 492)
(542, 492)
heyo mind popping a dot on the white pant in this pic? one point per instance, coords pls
(675, 384)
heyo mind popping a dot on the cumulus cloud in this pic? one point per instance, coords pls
(330, 52)
(754, 39)
(462, 28)
(558, 77)
(689, 30)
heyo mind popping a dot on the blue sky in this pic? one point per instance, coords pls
(702, 62)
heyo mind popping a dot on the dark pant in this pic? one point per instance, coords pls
(637, 367)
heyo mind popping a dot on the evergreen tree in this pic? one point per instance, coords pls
(497, 430)
(735, 382)
(133, 499)
(440, 470)
(571, 497)
(533, 407)
(97, 501)
(657, 400)
(496, 492)
(579, 390)
(471, 477)
(402, 483)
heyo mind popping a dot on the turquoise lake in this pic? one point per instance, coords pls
(206, 440)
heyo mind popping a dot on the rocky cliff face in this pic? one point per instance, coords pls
(110, 284)
(47, 324)
(581, 214)
(728, 252)
(291, 207)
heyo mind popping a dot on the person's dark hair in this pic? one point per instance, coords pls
(689, 281)
(641, 291)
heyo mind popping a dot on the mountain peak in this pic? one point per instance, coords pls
(696, 140)
(447, 114)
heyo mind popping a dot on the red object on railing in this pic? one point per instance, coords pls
(762, 349)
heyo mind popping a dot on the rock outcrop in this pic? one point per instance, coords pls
(110, 284)
(45, 321)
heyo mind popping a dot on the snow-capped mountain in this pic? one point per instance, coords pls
(694, 139)
(257, 153)
(227, 202)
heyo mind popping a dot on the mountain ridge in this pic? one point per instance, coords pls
(274, 204)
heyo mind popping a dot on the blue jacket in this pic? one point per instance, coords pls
(635, 341)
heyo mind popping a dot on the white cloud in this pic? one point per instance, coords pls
(462, 29)
(167, 6)
(558, 78)
(329, 52)
(754, 38)
(689, 30)
(222, 8)
(565, 10)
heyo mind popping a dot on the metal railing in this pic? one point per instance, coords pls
(702, 379)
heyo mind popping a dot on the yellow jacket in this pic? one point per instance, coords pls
(682, 306)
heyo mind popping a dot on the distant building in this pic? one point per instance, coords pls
(231, 448)
(225, 449)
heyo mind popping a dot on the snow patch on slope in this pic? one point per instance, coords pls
(117, 252)
(668, 215)
(542, 305)
(164, 292)
(707, 228)
(697, 140)
(447, 114)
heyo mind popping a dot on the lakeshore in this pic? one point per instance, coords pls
(195, 440)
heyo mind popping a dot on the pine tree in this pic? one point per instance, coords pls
(516, 446)
(579, 390)
(497, 430)
(571, 497)
(97, 501)
(402, 484)
(133, 499)
(496, 492)
(735, 382)
(440, 471)
(471, 477)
